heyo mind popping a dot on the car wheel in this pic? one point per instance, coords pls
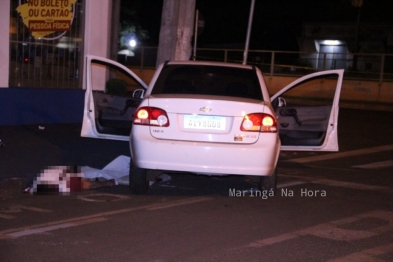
(138, 181)
(268, 184)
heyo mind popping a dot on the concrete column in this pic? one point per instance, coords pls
(97, 37)
(4, 42)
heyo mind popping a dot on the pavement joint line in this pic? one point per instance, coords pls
(330, 156)
(108, 213)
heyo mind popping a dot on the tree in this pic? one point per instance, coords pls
(129, 29)
(177, 27)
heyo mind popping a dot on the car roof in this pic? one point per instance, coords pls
(208, 63)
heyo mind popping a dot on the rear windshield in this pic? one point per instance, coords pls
(208, 80)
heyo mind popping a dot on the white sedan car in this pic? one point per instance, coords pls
(209, 118)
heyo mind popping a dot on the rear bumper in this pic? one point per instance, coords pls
(258, 159)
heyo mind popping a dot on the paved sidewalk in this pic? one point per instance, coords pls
(29, 149)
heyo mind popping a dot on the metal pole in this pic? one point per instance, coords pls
(195, 34)
(248, 32)
(357, 4)
(272, 64)
(382, 69)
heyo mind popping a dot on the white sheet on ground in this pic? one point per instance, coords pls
(117, 169)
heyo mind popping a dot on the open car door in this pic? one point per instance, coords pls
(307, 112)
(113, 92)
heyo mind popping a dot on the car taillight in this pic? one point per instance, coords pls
(259, 122)
(151, 116)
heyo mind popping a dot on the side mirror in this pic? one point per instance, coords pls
(281, 102)
(138, 93)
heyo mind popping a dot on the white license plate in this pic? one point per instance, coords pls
(204, 122)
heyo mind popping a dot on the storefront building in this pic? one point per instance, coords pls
(44, 41)
(42, 48)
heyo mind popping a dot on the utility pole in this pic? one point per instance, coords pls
(250, 18)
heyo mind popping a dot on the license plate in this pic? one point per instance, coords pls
(204, 122)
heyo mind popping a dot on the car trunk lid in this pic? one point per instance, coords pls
(205, 118)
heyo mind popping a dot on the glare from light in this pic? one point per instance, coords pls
(132, 43)
(143, 114)
(331, 42)
(267, 121)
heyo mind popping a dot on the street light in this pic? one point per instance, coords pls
(132, 43)
(357, 4)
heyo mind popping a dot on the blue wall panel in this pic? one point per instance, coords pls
(26, 106)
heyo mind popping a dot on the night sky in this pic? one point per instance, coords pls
(276, 23)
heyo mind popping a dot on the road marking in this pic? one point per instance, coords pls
(336, 230)
(54, 227)
(92, 197)
(6, 216)
(273, 240)
(358, 152)
(19, 209)
(351, 185)
(366, 255)
(376, 165)
(336, 183)
(289, 184)
(191, 201)
(12, 233)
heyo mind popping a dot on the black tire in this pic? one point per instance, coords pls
(138, 182)
(268, 184)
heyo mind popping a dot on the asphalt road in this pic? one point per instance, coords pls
(329, 206)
